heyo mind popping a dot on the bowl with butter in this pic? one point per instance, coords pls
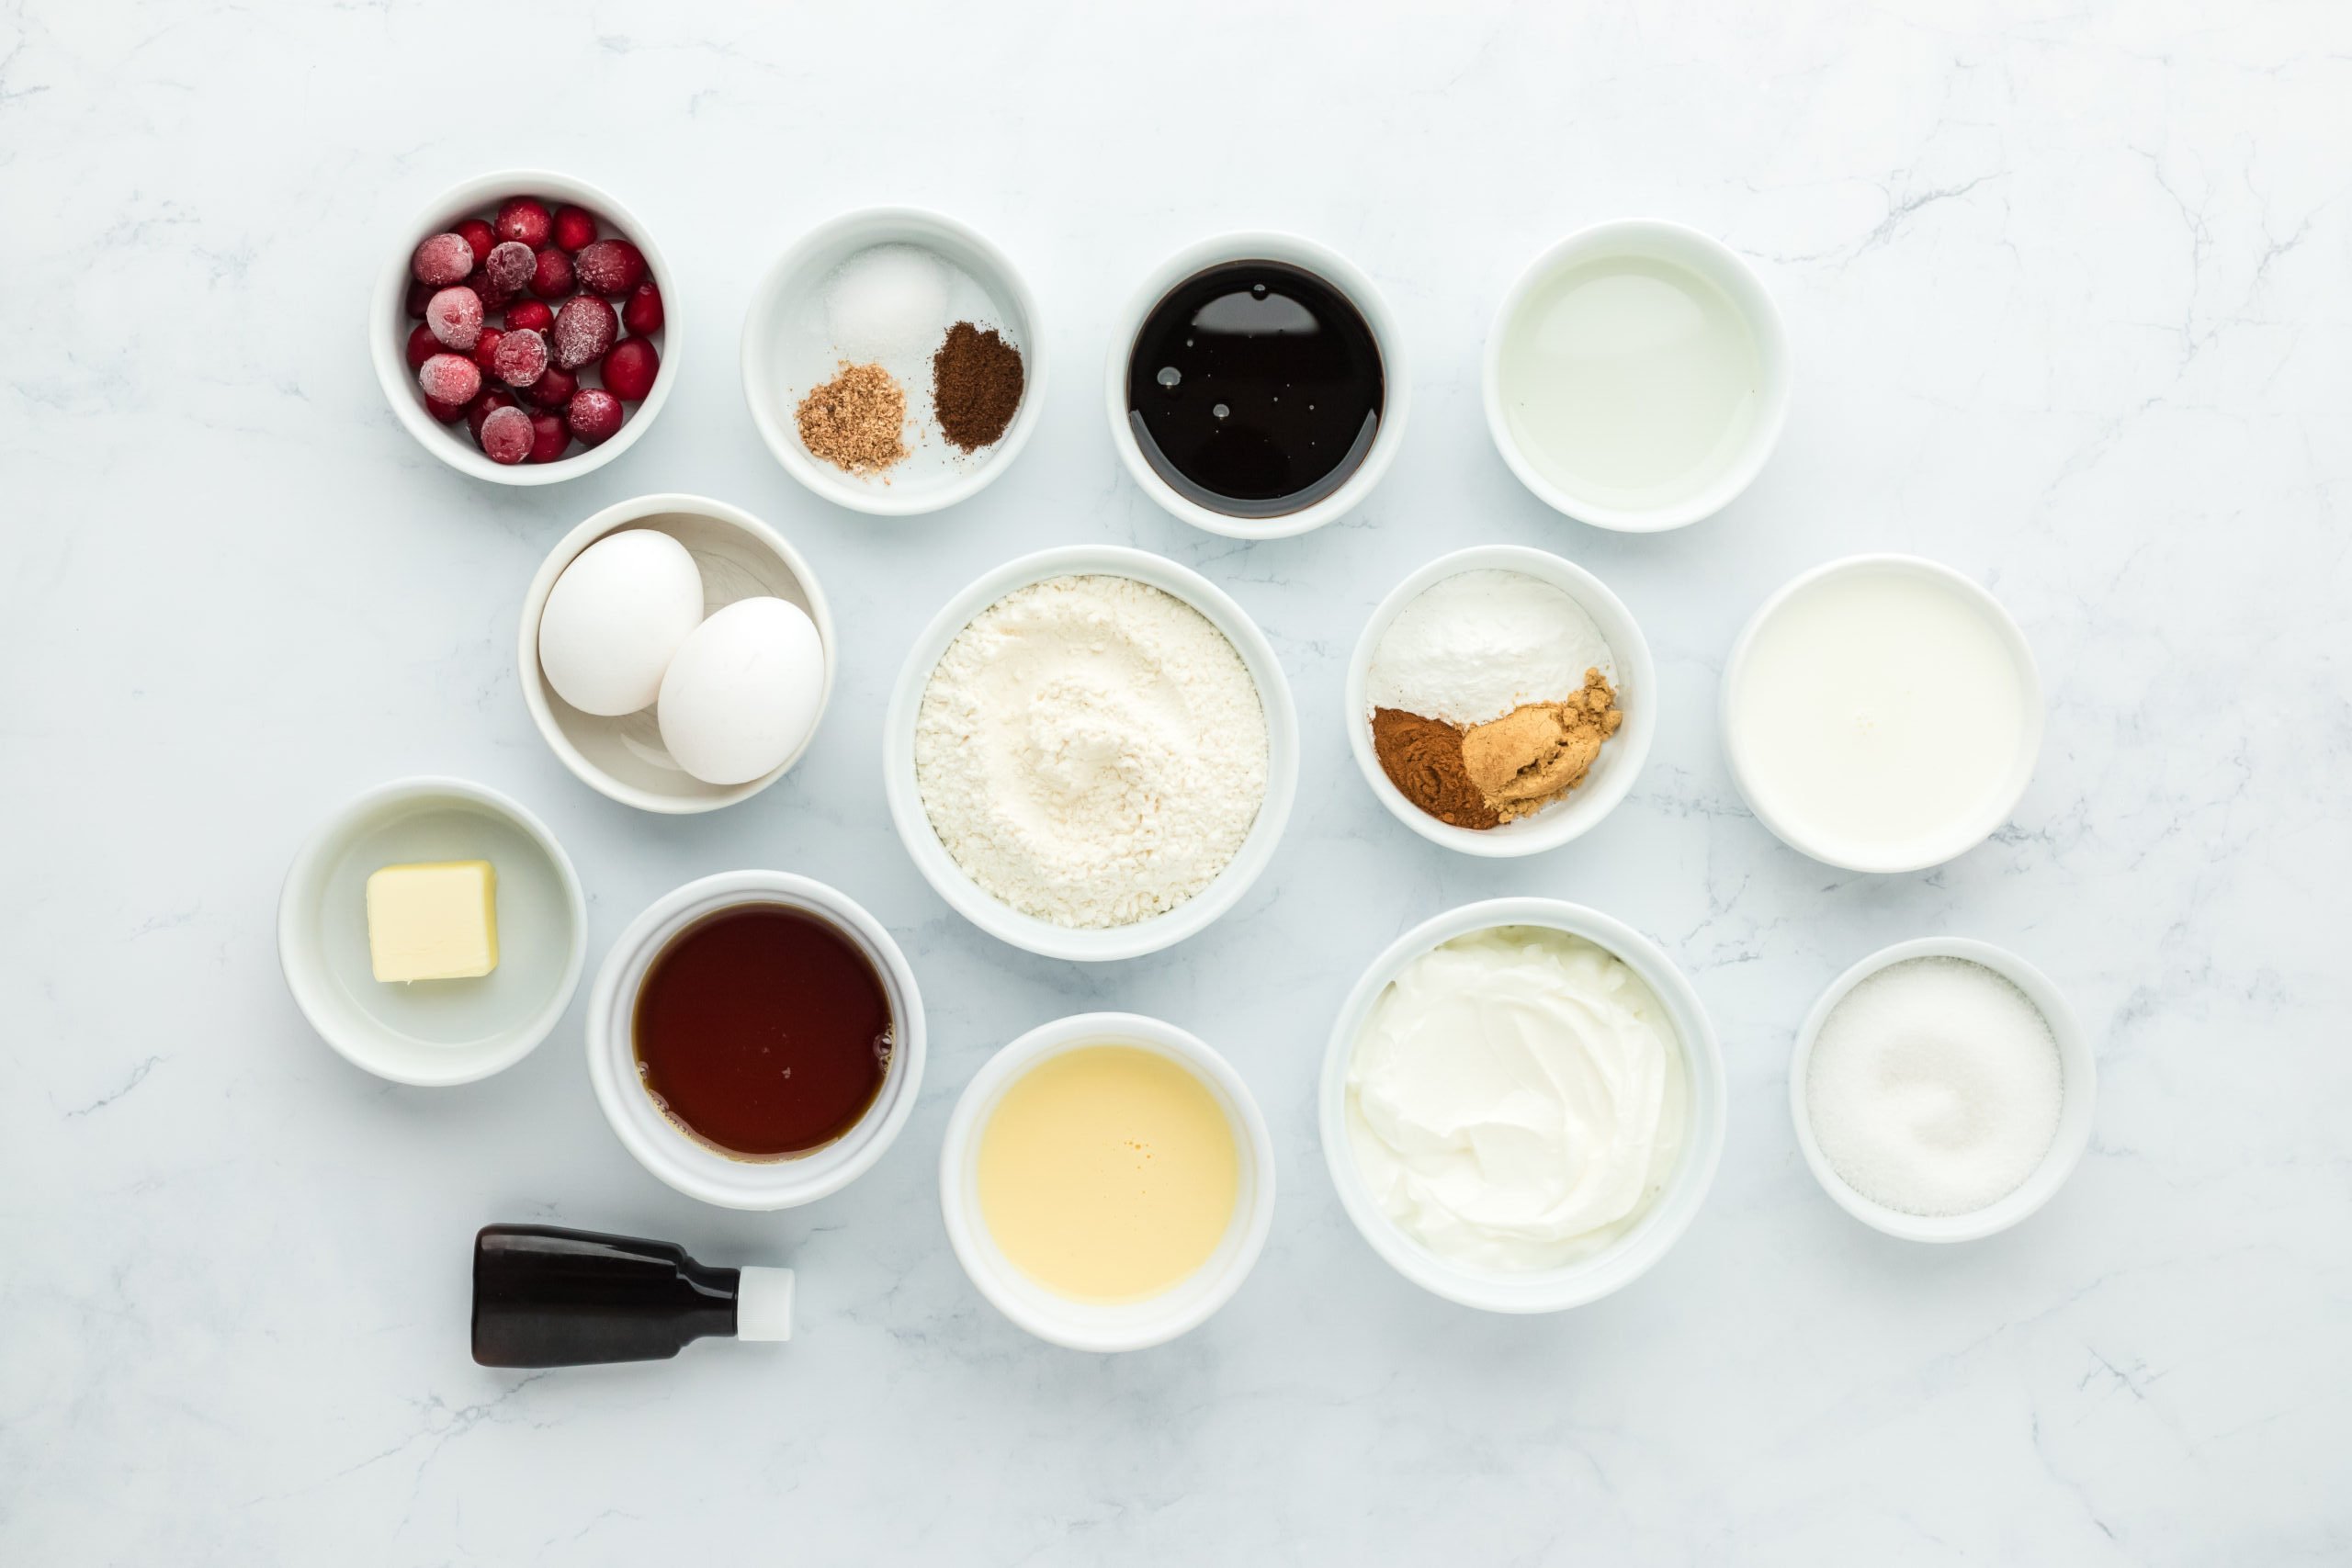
(432, 932)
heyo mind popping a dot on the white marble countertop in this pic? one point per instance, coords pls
(2068, 291)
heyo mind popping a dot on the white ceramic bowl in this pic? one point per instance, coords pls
(982, 908)
(740, 557)
(1624, 1260)
(2074, 1058)
(389, 325)
(1611, 778)
(685, 1163)
(1100, 1326)
(1961, 837)
(1711, 260)
(432, 1032)
(787, 352)
(1396, 386)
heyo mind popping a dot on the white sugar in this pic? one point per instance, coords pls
(1935, 1087)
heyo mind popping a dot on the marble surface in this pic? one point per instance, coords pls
(2068, 288)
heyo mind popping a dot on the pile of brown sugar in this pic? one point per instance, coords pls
(857, 421)
(1508, 767)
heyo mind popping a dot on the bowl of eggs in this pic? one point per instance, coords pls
(676, 653)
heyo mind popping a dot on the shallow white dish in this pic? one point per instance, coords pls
(1961, 837)
(432, 1032)
(1101, 1326)
(2075, 1060)
(739, 557)
(1624, 1260)
(685, 1163)
(982, 908)
(787, 352)
(1711, 260)
(389, 325)
(1340, 274)
(1611, 778)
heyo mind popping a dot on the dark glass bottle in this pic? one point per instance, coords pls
(546, 1297)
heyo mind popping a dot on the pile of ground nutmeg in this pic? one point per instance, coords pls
(975, 382)
(857, 421)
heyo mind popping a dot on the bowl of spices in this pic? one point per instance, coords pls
(1942, 1089)
(1501, 701)
(755, 1039)
(1090, 752)
(891, 361)
(1256, 385)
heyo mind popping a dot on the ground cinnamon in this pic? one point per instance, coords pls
(1422, 757)
(976, 381)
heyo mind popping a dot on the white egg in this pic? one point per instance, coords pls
(743, 691)
(616, 619)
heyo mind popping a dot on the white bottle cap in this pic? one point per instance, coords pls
(763, 1303)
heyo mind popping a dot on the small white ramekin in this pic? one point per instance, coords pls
(1719, 264)
(389, 325)
(981, 908)
(1622, 1262)
(2075, 1060)
(435, 1033)
(1611, 778)
(1107, 1326)
(1396, 388)
(685, 1163)
(1961, 837)
(739, 557)
(791, 286)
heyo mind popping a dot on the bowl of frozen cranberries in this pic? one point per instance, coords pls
(522, 334)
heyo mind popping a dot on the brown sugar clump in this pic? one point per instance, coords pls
(1534, 754)
(856, 420)
(1422, 757)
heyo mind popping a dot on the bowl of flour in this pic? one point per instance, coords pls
(1090, 752)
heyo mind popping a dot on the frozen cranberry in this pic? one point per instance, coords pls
(612, 266)
(574, 227)
(421, 346)
(529, 315)
(454, 316)
(549, 438)
(525, 219)
(641, 313)
(508, 266)
(585, 328)
(507, 437)
(551, 275)
(522, 358)
(630, 369)
(419, 296)
(486, 347)
(592, 414)
(552, 390)
(447, 414)
(477, 234)
(483, 407)
(442, 260)
(449, 379)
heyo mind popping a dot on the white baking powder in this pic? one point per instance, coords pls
(1091, 750)
(1478, 644)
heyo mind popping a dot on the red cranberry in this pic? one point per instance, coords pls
(549, 438)
(594, 414)
(551, 275)
(508, 269)
(612, 266)
(442, 260)
(574, 227)
(630, 369)
(641, 314)
(447, 414)
(522, 358)
(529, 315)
(524, 219)
(419, 296)
(477, 234)
(584, 329)
(449, 379)
(483, 407)
(553, 389)
(454, 316)
(421, 346)
(507, 436)
(486, 347)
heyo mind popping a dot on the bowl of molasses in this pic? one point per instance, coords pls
(1257, 386)
(756, 1040)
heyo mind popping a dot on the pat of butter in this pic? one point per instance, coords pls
(432, 921)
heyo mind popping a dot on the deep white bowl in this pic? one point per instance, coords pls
(1396, 386)
(1719, 264)
(981, 908)
(739, 557)
(389, 325)
(1099, 1325)
(694, 1168)
(787, 352)
(1961, 837)
(1622, 1262)
(2077, 1063)
(1611, 777)
(432, 1032)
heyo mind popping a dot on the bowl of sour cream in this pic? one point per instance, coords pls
(1523, 1105)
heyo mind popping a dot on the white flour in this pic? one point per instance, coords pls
(1478, 644)
(1091, 750)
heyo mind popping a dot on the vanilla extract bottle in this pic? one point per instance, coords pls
(547, 1297)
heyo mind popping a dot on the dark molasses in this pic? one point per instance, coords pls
(762, 1030)
(1254, 388)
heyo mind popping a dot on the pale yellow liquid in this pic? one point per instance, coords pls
(1108, 1173)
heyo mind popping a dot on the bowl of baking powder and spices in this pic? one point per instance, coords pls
(1090, 752)
(1501, 701)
